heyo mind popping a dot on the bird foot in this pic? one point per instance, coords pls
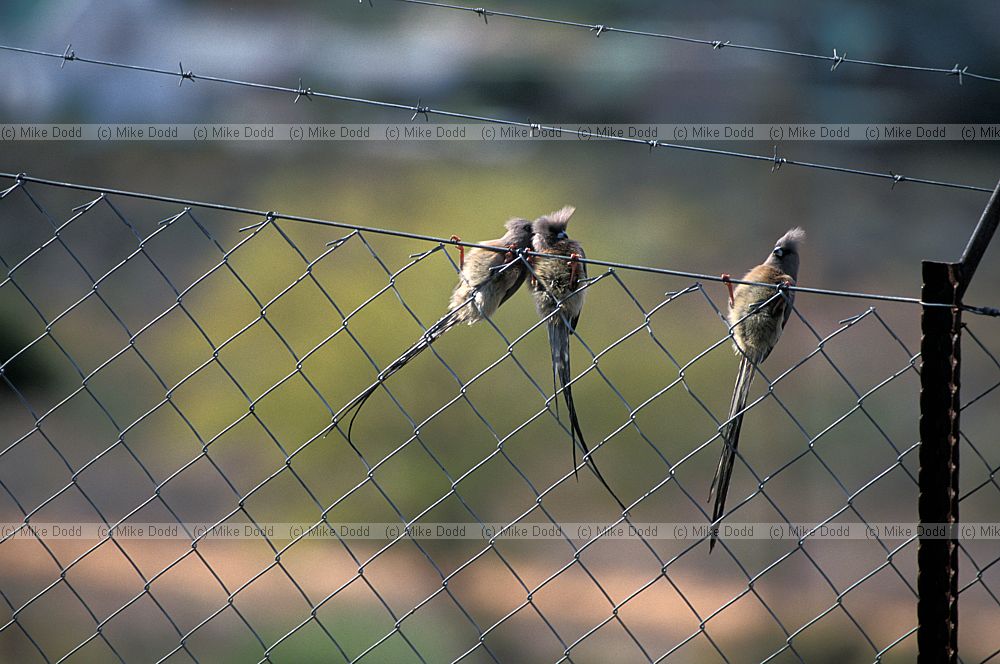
(530, 260)
(574, 262)
(729, 284)
(461, 252)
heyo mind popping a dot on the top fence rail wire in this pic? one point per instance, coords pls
(271, 215)
(774, 159)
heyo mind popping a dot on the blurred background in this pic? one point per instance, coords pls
(668, 209)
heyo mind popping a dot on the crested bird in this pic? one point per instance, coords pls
(487, 279)
(555, 284)
(757, 317)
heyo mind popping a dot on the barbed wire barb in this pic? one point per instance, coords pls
(68, 55)
(302, 92)
(183, 75)
(837, 59)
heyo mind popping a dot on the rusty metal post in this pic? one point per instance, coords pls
(937, 559)
(940, 382)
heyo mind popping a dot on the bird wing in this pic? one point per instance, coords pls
(521, 275)
(778, 308)
(789, 300)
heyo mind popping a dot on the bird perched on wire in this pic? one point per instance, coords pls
(757, 316)
(555, 283)
(487, 279)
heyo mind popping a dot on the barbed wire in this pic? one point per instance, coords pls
(271, 215)
(774, 159)
(836, 59)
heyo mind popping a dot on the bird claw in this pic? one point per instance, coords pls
(729, 284)
(461, 252)
(530, 260)
(574, 259)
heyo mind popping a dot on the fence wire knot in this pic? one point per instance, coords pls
(184, 75)
(420, 109)
(68, 55)
(302, 92)
(776, 161)
(837, 59)
(955, 71)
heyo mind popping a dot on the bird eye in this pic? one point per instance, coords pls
(779, 252)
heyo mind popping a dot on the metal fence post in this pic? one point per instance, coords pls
(940, 404)
(937, 559)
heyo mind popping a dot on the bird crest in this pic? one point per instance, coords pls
(562, 215)
(552, 224)
(792, 240)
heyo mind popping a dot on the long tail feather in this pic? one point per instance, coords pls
(731, 440)
(448, 321)
(559, 345)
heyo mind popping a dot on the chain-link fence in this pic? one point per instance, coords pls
(171, 370)
(977, 561)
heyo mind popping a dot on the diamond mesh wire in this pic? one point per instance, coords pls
(978, 581)
(162, 366)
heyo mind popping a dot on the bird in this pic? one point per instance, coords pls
(757, 317)
(556, 277)
(487, 279)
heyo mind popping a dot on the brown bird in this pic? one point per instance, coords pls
(757, 316)
(487, 280)
(555, 285)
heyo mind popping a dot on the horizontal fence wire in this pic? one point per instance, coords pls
(835, 60)
(775, 160)
(271, 215)
(171, 367)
